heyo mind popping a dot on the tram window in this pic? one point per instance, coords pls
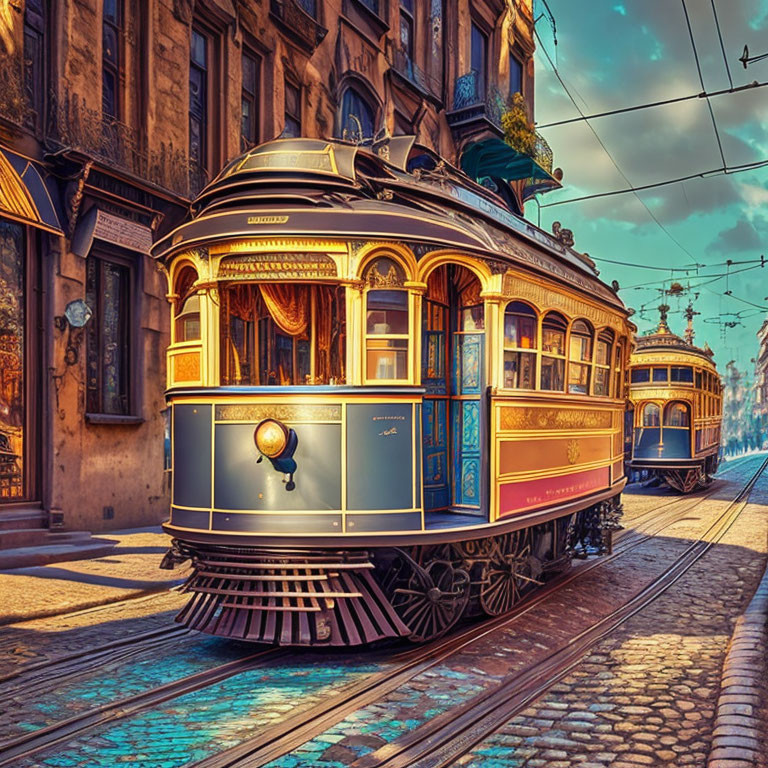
(188, 320)
(387, 322)
(698, 379)
(269, 332)
(617, 384)
(640, 375)
(651, 415)
(553, 352)
(387, 313)
(676, 415)
(602, 363)
(661, 374)
(580, 357)
(519, 335)
(681, 374)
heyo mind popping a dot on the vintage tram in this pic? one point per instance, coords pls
(393, 402)
(676, 402)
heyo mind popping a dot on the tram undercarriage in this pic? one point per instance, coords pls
(351, 597)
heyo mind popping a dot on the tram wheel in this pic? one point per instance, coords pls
(510, 571)
(428, 598)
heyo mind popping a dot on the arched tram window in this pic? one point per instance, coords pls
(282, 334)
(677, 415)
(651, 415)
(387, 322)
(187, 318)
(603, 350)
(520, 343)
(553, 330)
(580, 358)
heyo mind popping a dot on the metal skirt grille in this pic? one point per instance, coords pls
(288, 598)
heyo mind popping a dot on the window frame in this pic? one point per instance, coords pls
(109, 67)
(105, 253)
(534, 350)
(253, 99)
(297, 118)
(553, 355)
(514, 58)
(481, 82)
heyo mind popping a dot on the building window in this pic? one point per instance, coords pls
(13, 410)
(515, 74)
(356, 116)
(371, 5)
(292, 111)
(519, 346)
(34, 59)
(479, 58)
(386, 322)
(198, 108)
(553, 352)
(107, 293)
(249, 121)
(111, 35)
(406, 29)
(309, 6)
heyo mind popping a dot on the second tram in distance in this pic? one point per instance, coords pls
(677, 406)
(393, 401)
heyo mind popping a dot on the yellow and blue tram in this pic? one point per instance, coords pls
(393, 402)
(676, 402)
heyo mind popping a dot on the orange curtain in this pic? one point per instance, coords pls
(288, 306)
(437, 286)
(242, 302)
(467, 286)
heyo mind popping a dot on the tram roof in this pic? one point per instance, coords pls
(655, 347)
(394, 189)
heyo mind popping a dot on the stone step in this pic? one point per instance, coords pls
(25, 557)
(23, 518)
(22, 537)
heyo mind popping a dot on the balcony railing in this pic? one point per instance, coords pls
(14, 104)
(73, 124)
(404, 65)
(297, 21)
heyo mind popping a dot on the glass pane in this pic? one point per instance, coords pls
(553, 341)
(292, 128)
(682, 374)
(515, 75)
(660, 374)
(519, 332)
(108, 94)
(698, 379)
(12, 405)
(310, 6)
(651, 414)
(676, 415)
(387, 359)
(581, 348)
(188, 320)
(519, 370)
(198, 49)
(357, 117)
(479, 42)
(578, 379)
(472, 318)
(387, 312)
(601, 381)
(640, 375)
(552, 373)
(246, 128)
(602, 356)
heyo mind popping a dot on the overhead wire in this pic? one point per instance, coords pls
(610, 157)
(722, 46)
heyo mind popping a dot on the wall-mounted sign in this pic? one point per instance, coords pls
(277, 266)
(129, 234)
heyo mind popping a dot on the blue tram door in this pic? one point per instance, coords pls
(453, 366)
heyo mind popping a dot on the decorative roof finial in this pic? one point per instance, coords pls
(689, 315)
(663, 327)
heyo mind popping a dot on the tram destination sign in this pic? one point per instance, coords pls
(277, 266)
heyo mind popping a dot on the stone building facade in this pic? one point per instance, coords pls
(113, 115)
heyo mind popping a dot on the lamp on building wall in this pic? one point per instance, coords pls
(75, 317)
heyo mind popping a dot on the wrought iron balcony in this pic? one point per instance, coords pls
(404, 65)
(297, 20)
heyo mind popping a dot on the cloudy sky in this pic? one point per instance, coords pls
(613, 54)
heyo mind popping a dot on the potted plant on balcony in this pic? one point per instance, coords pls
(518, 129)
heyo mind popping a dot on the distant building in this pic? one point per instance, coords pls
(741, 429)
(113, 115)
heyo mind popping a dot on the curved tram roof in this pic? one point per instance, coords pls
(394, 190)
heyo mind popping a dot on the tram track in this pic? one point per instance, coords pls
(289, 735)
(284, 737)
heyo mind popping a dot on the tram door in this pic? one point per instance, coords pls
(453, 376)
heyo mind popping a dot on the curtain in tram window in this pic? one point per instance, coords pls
(288, 306)
(467, 286)
(242, 302)
(437, 286)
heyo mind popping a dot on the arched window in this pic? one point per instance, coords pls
(651, 415)
(617, 370)
(187, 320)
(357, 116)
(519, 346)
(553, 352)
(387, 322)
(603, 350)
(677, 415)
(580, 358)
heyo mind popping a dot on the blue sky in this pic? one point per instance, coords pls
(617, 54)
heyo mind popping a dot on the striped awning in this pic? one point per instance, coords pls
(24, 194)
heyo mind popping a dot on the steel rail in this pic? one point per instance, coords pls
(287, 736)
(452, 734)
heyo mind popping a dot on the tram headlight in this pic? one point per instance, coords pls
(271, 438)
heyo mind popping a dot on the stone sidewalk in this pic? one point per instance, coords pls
(129, 570)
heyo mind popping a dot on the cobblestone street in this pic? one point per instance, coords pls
(645, 695)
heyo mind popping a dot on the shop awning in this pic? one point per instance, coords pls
(24, 194)
(493, 157)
